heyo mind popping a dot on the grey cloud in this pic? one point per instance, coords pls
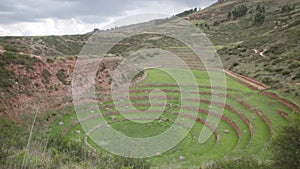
(90, 11)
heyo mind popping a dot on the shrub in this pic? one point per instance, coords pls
(235, 64)
(62, 76)
(287, 8)
(297, 77)
(10, 48)
(242, 163)
(285, 73)
(49, 60)
(216, 23)
(229, 15)
(8, 77)
(260, 9)
(259, 18)
(267, 81)
(46, 76)
(286, 146)
(14, 58)
(239, 11)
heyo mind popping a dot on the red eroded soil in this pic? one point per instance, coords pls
(36, 93)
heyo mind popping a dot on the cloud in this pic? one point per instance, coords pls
(35, 17)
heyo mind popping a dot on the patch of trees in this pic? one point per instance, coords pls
(187, 12)
(238, 12)
(260, 16)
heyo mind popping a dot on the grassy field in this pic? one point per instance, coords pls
(242, 139)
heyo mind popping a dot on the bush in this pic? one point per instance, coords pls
(46, 75)
(285, 73)
(287, 8)
(216, 23)
(14, 58)
(229, 15)
(239, 11)
(62, 76)
(242, 163)
(259, 18)
(235, 64)
(10, 48)
(297, 76)
(286, 146)
(49, 60)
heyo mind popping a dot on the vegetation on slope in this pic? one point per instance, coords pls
(8, 77)
(50, 46)
(258, 39)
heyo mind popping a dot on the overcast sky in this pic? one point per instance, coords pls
(57, 17)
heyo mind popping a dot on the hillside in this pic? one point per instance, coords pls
(266, 51)
(45, 126)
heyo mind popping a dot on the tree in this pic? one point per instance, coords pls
(240, 11)
(259, 18)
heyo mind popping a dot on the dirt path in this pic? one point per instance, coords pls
(247, 81)
(21, 53)
(253, 84)
(262, 54)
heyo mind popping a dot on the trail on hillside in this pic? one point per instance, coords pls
(21, 53)
(246, 80)
(262, 54)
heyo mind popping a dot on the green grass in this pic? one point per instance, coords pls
(195, 154)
